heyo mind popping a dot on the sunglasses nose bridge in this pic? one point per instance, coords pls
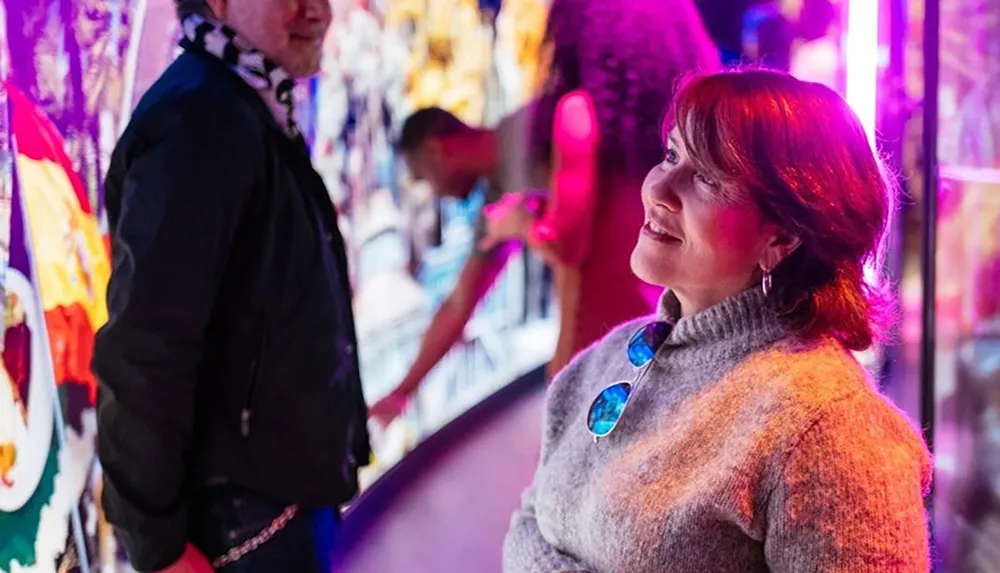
(644, 344)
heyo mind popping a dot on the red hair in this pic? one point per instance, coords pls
(802, 155)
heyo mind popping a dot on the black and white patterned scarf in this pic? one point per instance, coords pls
(275, 86)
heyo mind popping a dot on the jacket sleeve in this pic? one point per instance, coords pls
(850, 495)
(181, 193)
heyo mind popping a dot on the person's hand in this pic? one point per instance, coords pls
(506, 219)
(192, 561)
(389, 408)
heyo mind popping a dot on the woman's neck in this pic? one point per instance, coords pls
(694, 301)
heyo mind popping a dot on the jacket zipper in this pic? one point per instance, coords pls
(247, 410)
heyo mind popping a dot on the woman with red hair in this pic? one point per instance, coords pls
(734, 430)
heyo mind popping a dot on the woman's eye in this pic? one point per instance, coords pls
(669, 158)
(707, 180)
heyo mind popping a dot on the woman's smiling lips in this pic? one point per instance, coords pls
(657, 232)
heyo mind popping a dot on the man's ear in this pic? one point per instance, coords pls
(432, 149)
(778, 249)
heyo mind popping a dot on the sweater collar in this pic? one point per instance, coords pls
(743, 320)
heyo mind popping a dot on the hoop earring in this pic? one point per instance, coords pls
(765, 283)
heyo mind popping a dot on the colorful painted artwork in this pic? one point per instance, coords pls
(54, 284)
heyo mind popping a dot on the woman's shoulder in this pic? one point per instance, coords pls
(818, 388)
(844, 434)
(805, 374)
(846, 477)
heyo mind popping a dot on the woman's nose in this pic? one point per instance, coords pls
(662, 190)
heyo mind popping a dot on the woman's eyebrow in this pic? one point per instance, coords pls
(673, 141)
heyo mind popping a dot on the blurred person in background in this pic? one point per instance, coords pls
(724, 22)
(734, 430)
(767, 36)
(231, 421)
(779, 34)
(816, 51)
(453, 158)
(610, 67)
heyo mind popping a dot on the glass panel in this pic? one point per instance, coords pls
(967, 375)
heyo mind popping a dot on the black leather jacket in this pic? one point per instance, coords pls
(230, 350)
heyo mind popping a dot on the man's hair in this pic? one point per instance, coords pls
(426, 123)
(186, 7)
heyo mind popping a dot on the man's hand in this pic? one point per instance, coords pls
(389, 408)
(192, 561)
(506, 219)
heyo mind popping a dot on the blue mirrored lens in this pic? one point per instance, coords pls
(607, 408)
(644, 343)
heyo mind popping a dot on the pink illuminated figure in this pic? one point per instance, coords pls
(611, 72)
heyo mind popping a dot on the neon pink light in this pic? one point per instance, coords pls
(861, 61)
(861, 52)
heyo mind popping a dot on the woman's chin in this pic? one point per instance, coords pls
(650, 267)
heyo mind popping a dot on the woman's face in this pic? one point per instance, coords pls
(702, 239)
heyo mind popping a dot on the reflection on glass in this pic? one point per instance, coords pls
(967, 498)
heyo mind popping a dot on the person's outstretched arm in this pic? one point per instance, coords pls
(478, 274)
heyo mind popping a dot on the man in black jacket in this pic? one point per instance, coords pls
(231, 416)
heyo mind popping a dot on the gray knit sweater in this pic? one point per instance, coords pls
(742, 449)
